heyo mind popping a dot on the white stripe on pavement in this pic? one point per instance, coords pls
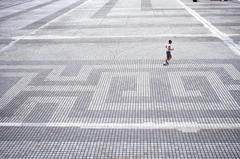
(181, 126)
(56, 37)
(224, 37)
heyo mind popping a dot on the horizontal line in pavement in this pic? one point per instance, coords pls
(163, 9)
(197, 8)
(49, 37)
(216, 14)
(163, 16)
(208, 4)
(215, 8)
(226, 24)
(111, 39)
(147, 16)
(182, 126)
(121, 26)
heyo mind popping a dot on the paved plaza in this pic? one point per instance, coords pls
(83, 79)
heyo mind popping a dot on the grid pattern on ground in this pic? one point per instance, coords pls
(117, 109)
(120, 91)
(117, 150)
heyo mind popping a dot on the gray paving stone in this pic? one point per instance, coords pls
(12, 3)
(44, 20)
(208, 101)
(122, 150)
(27, 10)
(34, 134)
(146, 5)
(101, 13)
(41, 113)
(6, 83)
(84, 79)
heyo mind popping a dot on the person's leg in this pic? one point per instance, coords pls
(166, 60)
(168, 57)
(165, 63)
(168, 54)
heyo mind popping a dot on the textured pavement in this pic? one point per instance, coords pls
(84, 79)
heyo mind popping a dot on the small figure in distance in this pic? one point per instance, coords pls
(169, 48)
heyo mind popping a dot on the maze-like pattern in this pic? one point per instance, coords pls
(101, 91)
(117, 109)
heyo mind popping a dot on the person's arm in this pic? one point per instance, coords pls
(170, 48)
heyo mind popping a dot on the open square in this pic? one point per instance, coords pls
(85, 79)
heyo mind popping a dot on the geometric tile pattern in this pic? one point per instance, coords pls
(83, 91)
(91, 143)
(117, 150)
(117, 109)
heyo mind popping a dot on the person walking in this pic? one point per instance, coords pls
(169, 48)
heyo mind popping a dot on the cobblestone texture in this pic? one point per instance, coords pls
(84, 79)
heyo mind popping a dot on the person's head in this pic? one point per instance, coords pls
(170, 41)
